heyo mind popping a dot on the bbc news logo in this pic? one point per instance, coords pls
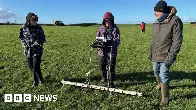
(29, 98)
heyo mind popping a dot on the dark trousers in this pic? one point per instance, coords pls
(34, 65)
(102, 66)
(143, 30)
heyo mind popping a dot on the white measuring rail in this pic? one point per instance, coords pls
(101, 88)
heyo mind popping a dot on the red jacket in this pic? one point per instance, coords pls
(142, 25)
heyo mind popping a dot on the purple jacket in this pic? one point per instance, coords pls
(113, 34)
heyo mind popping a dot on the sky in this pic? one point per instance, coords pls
(77, 11)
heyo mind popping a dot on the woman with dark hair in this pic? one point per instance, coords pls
(32, 38)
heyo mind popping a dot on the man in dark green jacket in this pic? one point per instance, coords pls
(165, 45)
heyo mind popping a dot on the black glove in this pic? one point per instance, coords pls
(168, 63)
(169, 60)
(150, 57)
(98, 43)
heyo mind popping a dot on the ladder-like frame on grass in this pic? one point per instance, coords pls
(101, 88)
(88, 85)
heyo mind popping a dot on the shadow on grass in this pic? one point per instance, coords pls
(82, 80)
(140, 78)
(136, 78)
(146, 77)
(2, 67)
(180, 75)
(182, 86)
(50, 80)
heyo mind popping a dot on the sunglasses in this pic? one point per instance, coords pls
(34, 18)
(108, 20)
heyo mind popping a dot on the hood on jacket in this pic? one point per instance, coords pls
(171, 12)
(28, 17)
(108, 15)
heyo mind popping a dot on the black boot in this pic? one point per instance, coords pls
(103, 81)
(41, 80)
(111, 85)
(34, 85)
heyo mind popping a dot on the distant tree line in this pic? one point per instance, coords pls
(84, 24)
(78, 24)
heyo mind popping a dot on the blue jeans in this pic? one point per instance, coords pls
(161, 70)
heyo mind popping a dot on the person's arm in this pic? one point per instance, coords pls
(116, 38)
(98, 32)
(21, 37)
(176, 40)
(42, 38)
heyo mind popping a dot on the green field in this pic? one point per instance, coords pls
(66, 56)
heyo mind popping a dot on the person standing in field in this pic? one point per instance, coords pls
(167, 36)
(142, 26)
(32, 38)
(111, 32)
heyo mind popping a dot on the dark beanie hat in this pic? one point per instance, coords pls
(161, 6)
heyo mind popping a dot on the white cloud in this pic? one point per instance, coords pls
(6, 13)
(187, 19)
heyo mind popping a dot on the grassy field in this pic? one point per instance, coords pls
(66, 56)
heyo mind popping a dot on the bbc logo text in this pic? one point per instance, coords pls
(29, 98)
